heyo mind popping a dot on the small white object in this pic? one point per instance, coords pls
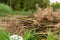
(16, 37)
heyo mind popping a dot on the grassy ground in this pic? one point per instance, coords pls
(23, 13)
(30, 35)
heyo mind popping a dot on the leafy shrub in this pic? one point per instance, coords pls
(4, 35)
(5, 8)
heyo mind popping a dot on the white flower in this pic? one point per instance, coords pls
(16, 37)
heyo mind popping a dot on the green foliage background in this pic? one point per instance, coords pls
(55, 5)
(25, 4)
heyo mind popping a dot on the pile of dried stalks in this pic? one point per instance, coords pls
(17, 24)
(42, 20)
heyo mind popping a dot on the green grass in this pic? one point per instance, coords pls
(29, 35)
(51, 36)
(4, 35)
(21, 13)
(24, 13)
